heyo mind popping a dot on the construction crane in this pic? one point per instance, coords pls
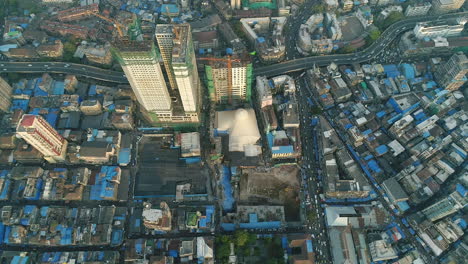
(229, 62)
(113, 22)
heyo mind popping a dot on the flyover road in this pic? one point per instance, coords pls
(66, 68)
(377, 47)
(272, 70)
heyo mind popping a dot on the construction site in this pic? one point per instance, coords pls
(272, 186)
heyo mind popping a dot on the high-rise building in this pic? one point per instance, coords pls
(184, 66)
(37, 132)
(140, 62)
(444, 6)
(218, 80)
(449, 205)
(452, 74)
(5, 95)
(164, 37)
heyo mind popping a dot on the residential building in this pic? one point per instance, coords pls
(449, 205)
(51, 50)
(5, 95)
(444, 6)
(78, 13)
(223, 85)
(41, 135)
(418, 9)
(452, 74)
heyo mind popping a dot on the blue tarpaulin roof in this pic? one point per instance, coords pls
(382, 149)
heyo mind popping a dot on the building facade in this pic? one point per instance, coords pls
(218, 81)
(164, 37)
(452, 74)
(425, 30)
(444, 6)
(140, 62)
(418, 9)
(5, 95)
(447, 206)
(42, 136)
(184, 66)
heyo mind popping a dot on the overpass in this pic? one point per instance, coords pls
(65, 68)
(368, 53)
(272, 70)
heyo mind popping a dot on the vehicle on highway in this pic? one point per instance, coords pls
(4, 69)
(29, 65)
(2, 65)
(67, 65)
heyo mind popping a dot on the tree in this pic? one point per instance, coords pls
(374, 35)
(318, 8)
(392, 18)
(69, 49)
(241, 237)
(311, 216)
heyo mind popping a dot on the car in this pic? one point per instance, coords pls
(67, 65)
(29, 65)
(4, 69)
(2, 65)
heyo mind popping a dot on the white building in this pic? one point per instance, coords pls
(140, 63)
(444, 6)
(381, 250)
(241, 125)
(42, 136)
(164, 37)
(264, 95)
(418, 9)
(423, 30)
(184, 66)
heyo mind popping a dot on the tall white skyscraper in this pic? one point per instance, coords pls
(140, 62)
(184, 66)
(175, 43)
(164, 37)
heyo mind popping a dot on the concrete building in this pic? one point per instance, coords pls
(77, 13)
(235, 4)
(140, 62)
(418, 9)
(318, 33)
(42, 136)
(445, 6)
(347, 5)
(380, 251)
(184, 66)
(224, 86)
(426, 30)
(164, 37)
(5, 95)
(452, 74)
(270, 48)
(447, 206)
